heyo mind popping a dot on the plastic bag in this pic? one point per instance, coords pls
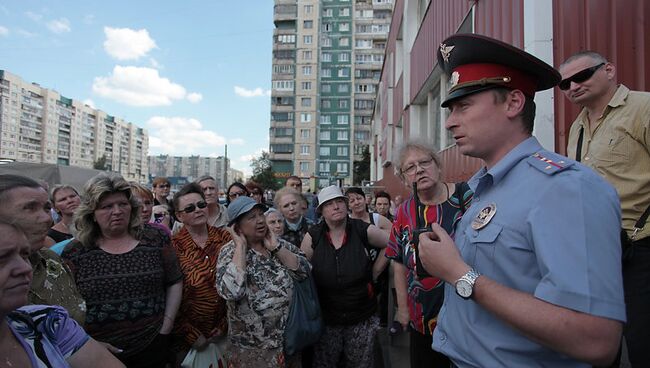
(210, 357)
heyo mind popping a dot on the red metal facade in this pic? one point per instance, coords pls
(616, 29)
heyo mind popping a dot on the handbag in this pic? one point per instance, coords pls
(304, 324)
(212, 356)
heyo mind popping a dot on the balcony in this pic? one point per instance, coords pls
(285, 12)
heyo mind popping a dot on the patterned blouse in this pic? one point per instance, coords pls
(425, 295)
(258, 299)
(47, 333)
(202, 310)
(125, 293)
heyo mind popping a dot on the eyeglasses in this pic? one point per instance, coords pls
(234, 195)
(579, 77)
(412, 169)
(190, 208)
(163, 185)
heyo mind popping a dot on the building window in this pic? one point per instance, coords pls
(304, 133)
(325, 135)
(282, 85)
(343, 103)
(327, 27)
(306, 70)
(343, 119)
(307, 40)
(308, 9)
(305, 117)
(342, 151)
(343, 88)
(304, 150)
(324, 169)
(287, 38)
(306, 86)
(304, 167)
(344, 41)
(344, 27)
(326, 57)
(306, 55)
(326, 41)
(342, 135)
(328, 12)
(342, 167)
(325, 104)
(324, 151)
(308, 24)
(325, 119)
(344, 57)
(344, 12)
(344, 72)
(326, 88)
(326, 72)
(305, 101)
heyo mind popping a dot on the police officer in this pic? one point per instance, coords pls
(534, 276)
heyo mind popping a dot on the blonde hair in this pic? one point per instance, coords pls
(284, 192)
(96, 189)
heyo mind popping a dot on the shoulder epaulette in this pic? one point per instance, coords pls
(549, 163)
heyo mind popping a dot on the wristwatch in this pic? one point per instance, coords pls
(465, 284)
(275, 250)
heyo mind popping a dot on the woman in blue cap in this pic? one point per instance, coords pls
(255, 273)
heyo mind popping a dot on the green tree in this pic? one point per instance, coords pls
(263, 172)
(100, 163)
(362, 167)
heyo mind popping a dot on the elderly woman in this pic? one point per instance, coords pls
(275, 221)
(202, 315)
(65, 201)
(339, 249)
(236, 190)
(289, 202)
(38, 335)
(127, 272)
(255, 274)
(419, 297)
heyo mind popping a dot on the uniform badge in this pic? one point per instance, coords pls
(484, 216)
(445, 51)
(455, 76)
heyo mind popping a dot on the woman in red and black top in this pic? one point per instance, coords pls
(338, 249)
(202, 316)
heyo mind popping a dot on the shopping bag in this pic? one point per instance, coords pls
(210, 357)
(304, 324)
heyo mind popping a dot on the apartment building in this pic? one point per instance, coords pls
(39, 125)
(192, 167)
(327, 59)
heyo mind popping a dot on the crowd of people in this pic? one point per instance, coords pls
(539, 260)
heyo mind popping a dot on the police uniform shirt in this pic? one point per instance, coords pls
(554, 234)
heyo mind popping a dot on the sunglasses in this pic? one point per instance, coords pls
(190, 208)
(236, 194)
(579, 77)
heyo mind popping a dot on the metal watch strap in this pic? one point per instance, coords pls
(471, 276)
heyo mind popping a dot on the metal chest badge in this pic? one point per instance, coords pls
(484, 216)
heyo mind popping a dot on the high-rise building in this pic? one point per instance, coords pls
(192, 167)
(40, 125)
(327, 59)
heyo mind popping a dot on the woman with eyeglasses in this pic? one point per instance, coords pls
(126, 271)
(419, 296)
(234, 191)
(255, 274)
(256, 191)
(201, 318)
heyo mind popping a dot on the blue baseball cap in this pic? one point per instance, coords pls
(241, 206)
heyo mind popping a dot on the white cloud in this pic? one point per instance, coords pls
(155, 64)
(139, 86)
(181, 136)
(237, 141)
(89, 102)
(34, 16)
(127, 44)
(4, 31)
(25, 33)
(59, 26)
(194, 97)
(257, 92)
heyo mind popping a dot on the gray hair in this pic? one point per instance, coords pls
(585, 53)
(284, 192)
(96, 189)
(414, 145)
(272, 210)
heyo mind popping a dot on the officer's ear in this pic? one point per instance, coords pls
(514, 103)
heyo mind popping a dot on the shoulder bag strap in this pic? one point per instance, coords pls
(579, 146)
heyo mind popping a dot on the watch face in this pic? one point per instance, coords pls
(463, 288)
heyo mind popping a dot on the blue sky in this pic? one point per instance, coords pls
(195, 74)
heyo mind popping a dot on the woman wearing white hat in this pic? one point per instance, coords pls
(338, 248)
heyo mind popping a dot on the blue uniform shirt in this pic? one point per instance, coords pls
(554, 234)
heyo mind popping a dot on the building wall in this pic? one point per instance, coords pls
(40, 125)
(192, 167)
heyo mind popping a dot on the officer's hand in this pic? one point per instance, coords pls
(440, 256)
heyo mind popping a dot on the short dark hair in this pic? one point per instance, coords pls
(382, 194)
(527, 113)
(9, 182)
(251, 186)
(238, 185)
(160, 180)
(292, 177)
(188, 188)
(355, 190)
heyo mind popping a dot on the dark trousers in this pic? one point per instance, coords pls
(636, 281)
(422, 355)
(156, 355)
